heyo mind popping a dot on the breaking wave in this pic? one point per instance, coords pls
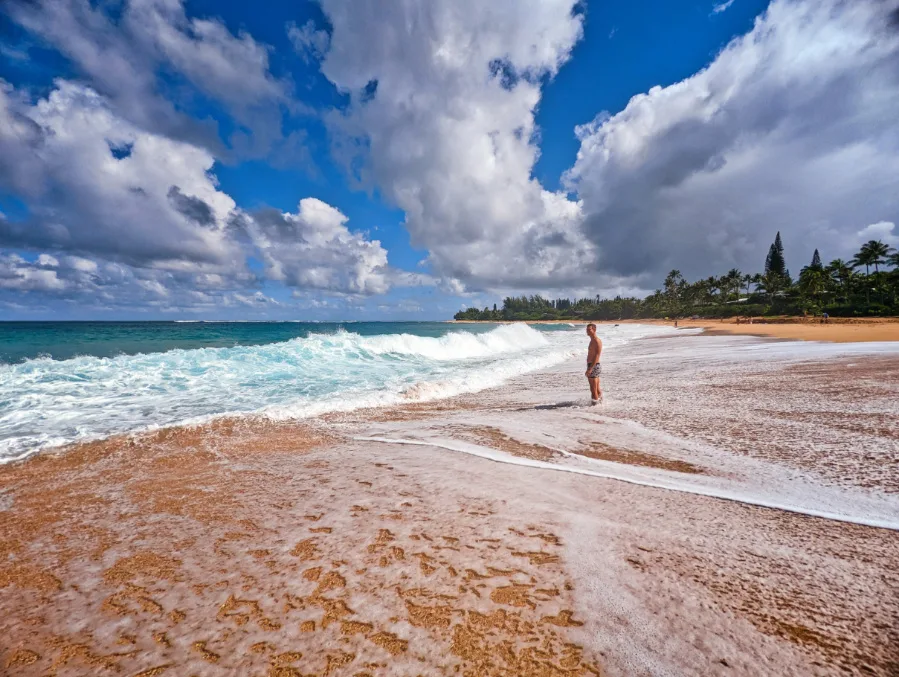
(50, 402)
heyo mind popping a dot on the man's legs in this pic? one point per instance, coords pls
(594, 388)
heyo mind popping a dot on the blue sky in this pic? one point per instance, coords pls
(341, 160)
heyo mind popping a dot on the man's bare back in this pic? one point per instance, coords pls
(594, 368)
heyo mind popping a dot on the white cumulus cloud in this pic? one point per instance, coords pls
(442, 123)
(791, 128)
(131, 216)
(123, 52)
(98, 184)
(314, 249)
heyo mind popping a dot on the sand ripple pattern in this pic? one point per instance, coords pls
(223, 550)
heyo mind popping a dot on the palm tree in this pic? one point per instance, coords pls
(841, 272)
(732, 280)
(674, 285)
(879, 253)
(893, 259)
(813, 281)
(711, 284)
(772, 283)
(864, 258)
(746, 281)
(872, 253)
(756, 280)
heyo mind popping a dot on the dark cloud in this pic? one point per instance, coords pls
(276, 225)
(192, 207)
(21, 139)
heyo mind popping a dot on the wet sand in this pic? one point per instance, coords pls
(248, 548)
(260, 548)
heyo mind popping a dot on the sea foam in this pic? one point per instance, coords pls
(46, 402)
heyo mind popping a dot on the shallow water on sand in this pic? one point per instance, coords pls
(804, 427)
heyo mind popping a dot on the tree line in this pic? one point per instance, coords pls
(865, 286)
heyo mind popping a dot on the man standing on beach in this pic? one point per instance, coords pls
(594, 368)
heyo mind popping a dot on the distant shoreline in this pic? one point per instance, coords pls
(837, 330)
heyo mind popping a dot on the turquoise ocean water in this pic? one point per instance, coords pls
(69, 381)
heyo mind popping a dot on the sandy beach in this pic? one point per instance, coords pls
(836, 330)
(730, 510)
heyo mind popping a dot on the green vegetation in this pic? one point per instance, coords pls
(839, 288)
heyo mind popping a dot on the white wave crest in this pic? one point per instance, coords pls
(459, 345)
(50, 402)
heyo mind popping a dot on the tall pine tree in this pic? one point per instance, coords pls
(775, 262)
(816, 260)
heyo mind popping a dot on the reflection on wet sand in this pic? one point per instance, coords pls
(245, 546)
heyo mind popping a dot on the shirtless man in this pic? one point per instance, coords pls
(594, 368)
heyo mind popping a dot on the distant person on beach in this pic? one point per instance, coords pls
(594, 368)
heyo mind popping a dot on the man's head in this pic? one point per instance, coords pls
(591, 329)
